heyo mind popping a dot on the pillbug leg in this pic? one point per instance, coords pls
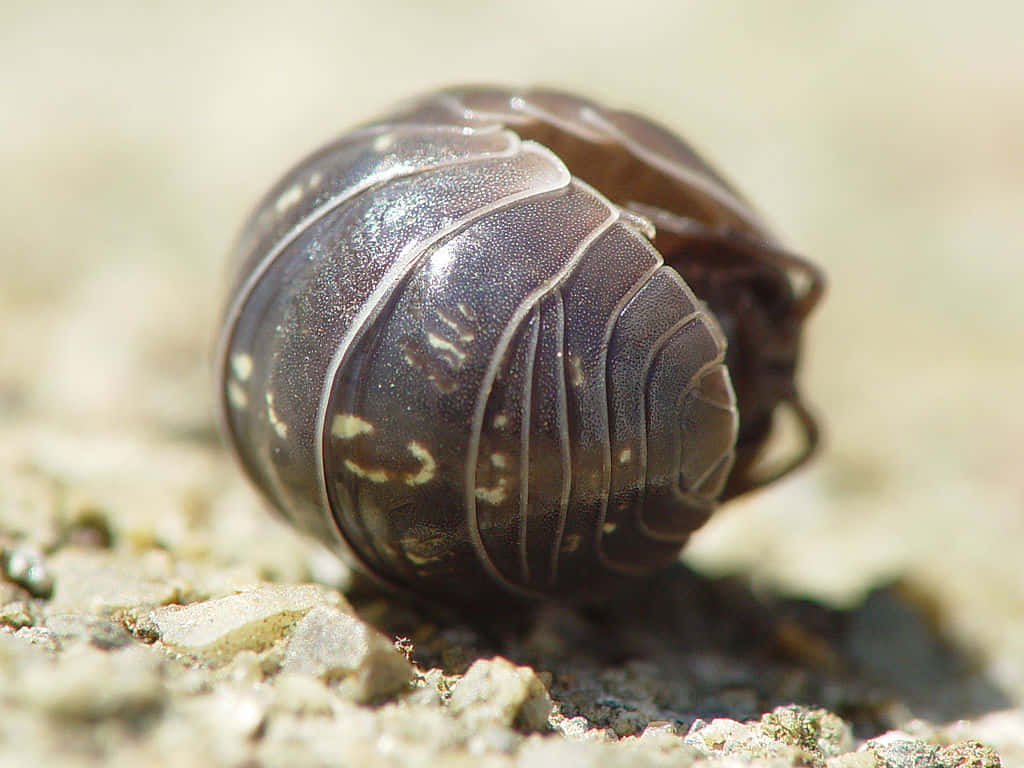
(751, 479)
(761, 296)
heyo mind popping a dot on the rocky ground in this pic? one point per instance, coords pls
(194, 630)
(869, 612)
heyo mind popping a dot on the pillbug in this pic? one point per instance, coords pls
(502, 341)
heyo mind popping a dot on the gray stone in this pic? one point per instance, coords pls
(335, 645)
(497, 691)
(24, 565)
(41, 637)
(104, 582)
(744, 741)
(100, 632)
(16, 615)
(819, 733)
(213, 631)
(968, 754)
(896, 749)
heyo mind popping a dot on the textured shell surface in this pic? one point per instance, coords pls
(453, 350)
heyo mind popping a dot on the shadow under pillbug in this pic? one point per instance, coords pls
(508, 341)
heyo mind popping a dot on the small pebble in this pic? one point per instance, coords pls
(213, 631)
(103, 582)
(335, 645)
(497, 691)
(724, 737)
(25, 566)
(820, 733)
(101, 633)
(896, 749)
(16, 615)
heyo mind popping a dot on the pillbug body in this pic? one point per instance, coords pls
(508, 341)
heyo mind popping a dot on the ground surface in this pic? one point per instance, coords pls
(875, 603)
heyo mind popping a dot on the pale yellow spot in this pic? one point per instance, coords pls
(279, 426)
(315, 179)
(374, 475)
(572, 543)
(500, 420)
(236, 395)
(383, 142)
(441, 343)
(495, 494)
(625, 455)
(465, 334)
(345, 426)
(241, 366)
(427, 464)
(500, 460)
(575, 370)
(288, 198)
(415, 559)
(609, 527)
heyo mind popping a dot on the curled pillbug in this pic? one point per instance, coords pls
(504, 341)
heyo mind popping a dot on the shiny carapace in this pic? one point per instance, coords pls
(508, 342)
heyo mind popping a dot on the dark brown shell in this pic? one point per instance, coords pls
(481, 342)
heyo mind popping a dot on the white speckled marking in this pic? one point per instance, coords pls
(415, 559)
(345, 426)
(465, 333)
(441, 343)
(241, 366)
(236, 395)
(374, 475)
(572, 543)
(495, 494)
(427, 464)
(279, 426)
(288, 198)
(575, 370)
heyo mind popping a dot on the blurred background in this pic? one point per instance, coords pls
(885, 140)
